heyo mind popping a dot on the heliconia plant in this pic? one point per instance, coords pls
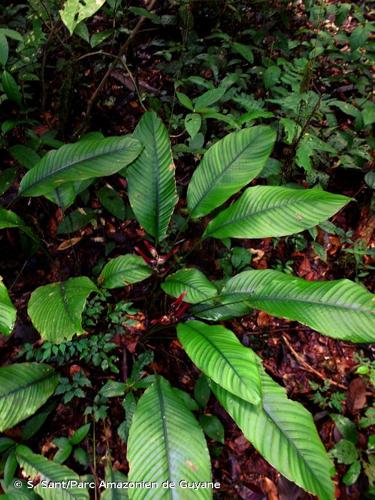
(166, 442)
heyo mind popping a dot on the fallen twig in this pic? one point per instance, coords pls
(309, 368)
(122, 51)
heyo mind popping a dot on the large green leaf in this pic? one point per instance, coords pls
(56, 309)
(8, 312)
(267, 211)
(124, 270)
(151, 179)
(47, 471)
(166, 443)
(75, 11)
(24, 387)
(284, 433)
(193, 282)
(221, 356)
(227, 166)
(78, 162)
(63, 196)
(341, 309)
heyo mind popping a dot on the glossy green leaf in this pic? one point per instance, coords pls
(98, 38)
(284, 433)
(8, 312)
(25, 387)
(64, 195)
(193, 122)
(11, 87)
(223, 306)
(346, 427)
(13, 34)
(192, 281)
(9, 219)
(345, 452)
(352, 474)
(75, 11)
(4, 49)
(340, 309)
(81, 456)
(370, 179)
(25, 156)
(228, 166)
(151, 178)
(80, 434)
(271, 76)
(368, 113)
(269, 211)
(359, 37)
(208, 98)
(6, 444)
(202, 391)
(166, 443)
(56, 309)
(189, 402)
(7, 177)
(291, 129)
(346, 108)
(124, 270)
(76, 220)
(218, 353)
(36, 422)
(10, 468)
(112, 201)
(83, 160)
(212, 427)
(245, 51)
(64, 450)
(185, 100)
(36, 466)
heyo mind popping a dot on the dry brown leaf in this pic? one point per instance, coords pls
(356, 395)
(270, 489)
(69, 243)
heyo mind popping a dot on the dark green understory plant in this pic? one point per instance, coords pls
(165, 441)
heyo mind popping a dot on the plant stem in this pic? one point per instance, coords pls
(122, 51)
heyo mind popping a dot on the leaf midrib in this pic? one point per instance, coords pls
(303, 301)
(50, 480)
(219, 177)
(113, 274)
(195, 288)
(65, 303)
(155, 164)
(165, 430)
(42, 180)
(253, 214)
(280, 430)
(28, 384)
(221, 353)
(299, 453)
(217, 306)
